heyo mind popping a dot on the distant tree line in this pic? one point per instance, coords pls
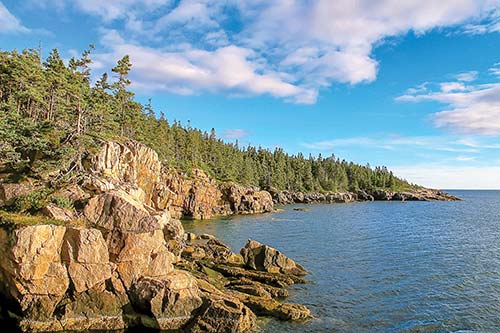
(52, 116)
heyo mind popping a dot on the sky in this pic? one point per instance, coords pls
(413, 85)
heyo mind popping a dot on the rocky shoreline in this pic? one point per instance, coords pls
(117, 256)
(138, 269)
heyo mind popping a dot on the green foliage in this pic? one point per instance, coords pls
(51, 116)
(31, 202)
(62, 202)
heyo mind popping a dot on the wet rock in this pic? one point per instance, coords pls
(94, 309)
(261, 257)
(266, 306)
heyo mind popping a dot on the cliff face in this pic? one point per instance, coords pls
(122, 259)
(136, 168)
(133, 265)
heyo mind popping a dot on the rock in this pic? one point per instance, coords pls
(193, 253)
(279, 197)
(255, 286)
(94, 309)
(118, 211)
(382, 195)
(189, 236)
(32, 274)
(364, 196)
(86, 256)
(247, 200)
(223, 315)
(143, 255)
(340, 197)
(196, 196)
(174, 236)
(97, 185)
(269, 307)
(170, 300)
(131, 163)
(11, 191)
(57, 213)
(261, 257)
(73, 193)
(221, 312)
(115, 213)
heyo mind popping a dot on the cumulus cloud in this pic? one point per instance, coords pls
(9, 23)
(471, 109)
(290, 48)
(231, 68)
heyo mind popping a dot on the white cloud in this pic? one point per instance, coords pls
(472, 109)
(495, 70)
(293, 47)
(431, 143)
(452, 86)
(465, 158)
(467, 76)
(9, 23)
(233, 69)
(450, 176)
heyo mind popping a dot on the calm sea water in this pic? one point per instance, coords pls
(385, 266)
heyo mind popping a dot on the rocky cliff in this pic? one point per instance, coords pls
(119, 258)
(132, 265)
(136, 168)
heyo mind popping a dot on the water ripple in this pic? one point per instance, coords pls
(384, 266)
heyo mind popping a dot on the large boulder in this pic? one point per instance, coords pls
(261, 257)
(31, 272)
(221, 312)
(171, 300)
(85, 253)
(143, 254)
(119, 211)
(94, 309)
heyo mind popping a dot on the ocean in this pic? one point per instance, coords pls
(385, 266)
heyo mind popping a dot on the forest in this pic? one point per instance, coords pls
(53, 114)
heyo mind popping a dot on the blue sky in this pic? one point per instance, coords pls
(414, 85)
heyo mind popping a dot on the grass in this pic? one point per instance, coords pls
(16, 219)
